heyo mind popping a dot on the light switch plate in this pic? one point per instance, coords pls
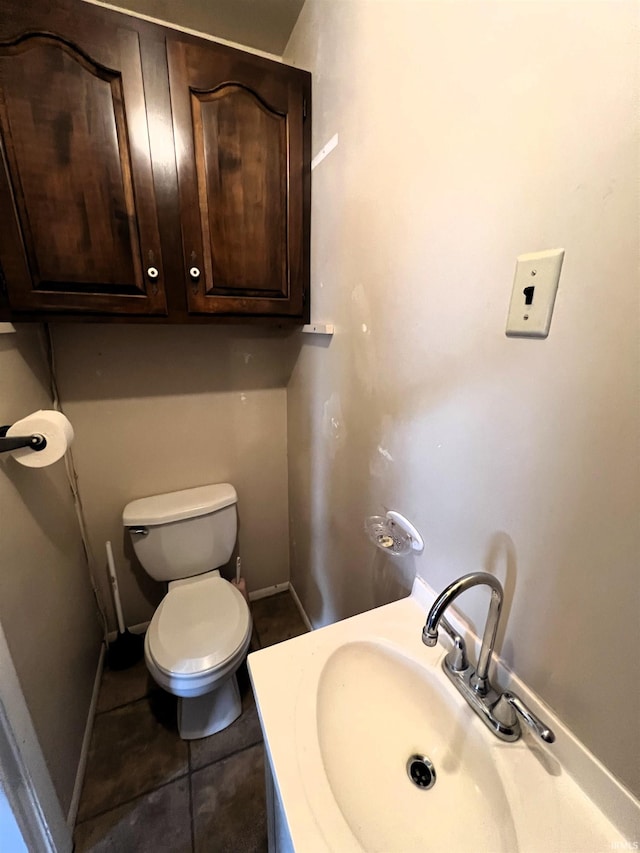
(534, 293)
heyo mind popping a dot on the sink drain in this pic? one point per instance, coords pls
(421, 771)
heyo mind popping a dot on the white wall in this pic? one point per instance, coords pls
(160, 409)
(46, 605)
(469, 133)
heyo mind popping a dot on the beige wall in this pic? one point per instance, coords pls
(160, 409)
(265, 26)
(469, 133)
(46, 604)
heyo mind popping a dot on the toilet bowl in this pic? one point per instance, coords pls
(200, 633)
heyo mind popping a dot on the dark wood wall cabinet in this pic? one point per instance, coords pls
(147, 174)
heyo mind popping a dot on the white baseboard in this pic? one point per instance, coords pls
(301, 609)
(256, 595)
(86, 740)
(268, 591)
(282, 587)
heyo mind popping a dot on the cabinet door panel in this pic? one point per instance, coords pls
(241, 169)
(239, 138)
(77, 176)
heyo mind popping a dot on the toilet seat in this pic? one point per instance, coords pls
(199, 630)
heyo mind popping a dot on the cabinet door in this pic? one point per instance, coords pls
(241, 145)
(80, 230)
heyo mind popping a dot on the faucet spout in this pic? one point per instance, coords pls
(480, 679)
(501, 713)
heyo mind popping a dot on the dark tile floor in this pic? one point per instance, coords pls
(145, 789)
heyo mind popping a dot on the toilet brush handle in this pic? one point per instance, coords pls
(114, 584)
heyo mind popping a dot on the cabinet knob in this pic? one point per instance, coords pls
(194, 272)
(153, 273)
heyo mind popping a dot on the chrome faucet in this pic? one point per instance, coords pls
(500, 712)
(480, 679)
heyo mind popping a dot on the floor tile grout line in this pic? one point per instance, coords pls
(191, 769)
(188, 775)
(123, 705)
(131, 799)
(230, 755)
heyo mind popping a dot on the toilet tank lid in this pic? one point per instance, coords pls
(175, 506)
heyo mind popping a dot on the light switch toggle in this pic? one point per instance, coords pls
(532, 304)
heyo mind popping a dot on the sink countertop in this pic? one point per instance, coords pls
(549, 808)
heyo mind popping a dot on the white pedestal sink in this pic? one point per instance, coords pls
(344, 708)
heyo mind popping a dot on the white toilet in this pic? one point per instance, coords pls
(200, 633)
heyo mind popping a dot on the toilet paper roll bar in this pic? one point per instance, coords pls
(15, 442)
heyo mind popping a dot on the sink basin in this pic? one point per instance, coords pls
(375, 709)
(344, 708)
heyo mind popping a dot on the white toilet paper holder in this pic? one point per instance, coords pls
(15, 442)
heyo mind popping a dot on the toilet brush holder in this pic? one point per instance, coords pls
(127, 648)
(239, 582)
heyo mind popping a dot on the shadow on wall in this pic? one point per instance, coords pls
(45, 499)
(391, 577)
(500, 561)
(35, 361)
(102, 362)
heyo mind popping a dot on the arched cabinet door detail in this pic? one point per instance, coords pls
(239, 129)
(241, 171)
(76, 178)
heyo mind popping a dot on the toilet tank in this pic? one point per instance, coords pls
(186, 533)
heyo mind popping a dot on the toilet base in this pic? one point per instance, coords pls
(201, 716)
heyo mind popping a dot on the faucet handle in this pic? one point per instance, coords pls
(456, 659)
(509, 707)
